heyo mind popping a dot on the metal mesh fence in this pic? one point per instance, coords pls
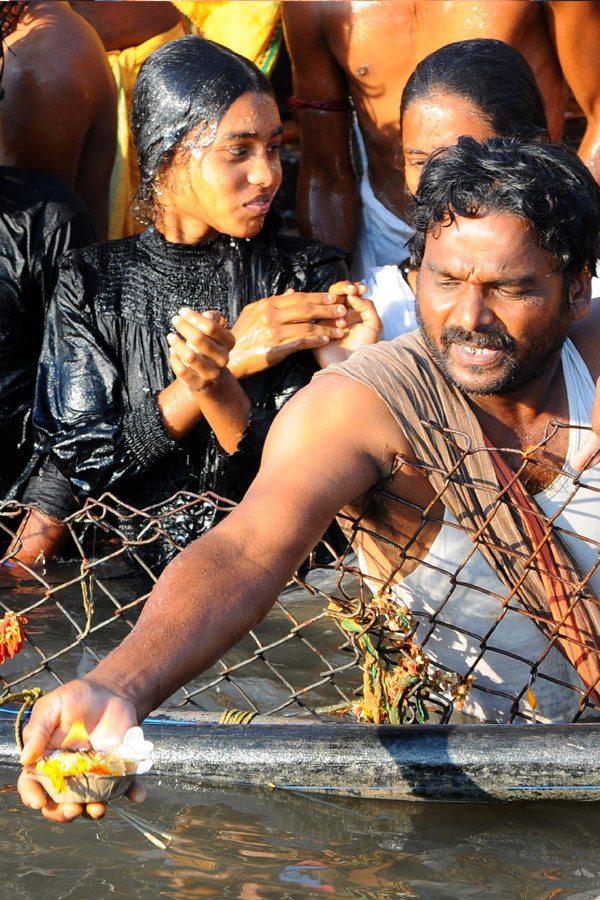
(401, 623)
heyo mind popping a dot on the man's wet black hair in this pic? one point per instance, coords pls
(187, 83)
(544, 184)
(491, 75)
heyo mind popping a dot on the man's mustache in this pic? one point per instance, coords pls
(484, 340)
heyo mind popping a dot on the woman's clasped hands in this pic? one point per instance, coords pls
(332, 324)
(199, 353)
(203, 386)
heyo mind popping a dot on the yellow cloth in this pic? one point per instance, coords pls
(250, 27)
(125, 65)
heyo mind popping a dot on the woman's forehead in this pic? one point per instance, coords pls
(250, 112)
(250, 115)
(432, 118)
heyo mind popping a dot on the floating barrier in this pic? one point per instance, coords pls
(474, 763)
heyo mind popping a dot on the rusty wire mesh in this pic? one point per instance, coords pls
(341, 630)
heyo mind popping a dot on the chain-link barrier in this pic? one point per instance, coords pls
(399, 623)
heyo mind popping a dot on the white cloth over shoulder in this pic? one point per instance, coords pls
(383, 236)
(393, 300)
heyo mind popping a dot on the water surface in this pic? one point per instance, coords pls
(255, 844)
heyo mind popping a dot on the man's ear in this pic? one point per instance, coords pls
(580, 295)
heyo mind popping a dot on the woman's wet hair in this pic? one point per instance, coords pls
(186, 85)
(491, 75)
(544, 184)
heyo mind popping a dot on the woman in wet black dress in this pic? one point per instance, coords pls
(141, 391)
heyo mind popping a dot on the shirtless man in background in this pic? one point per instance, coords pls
(367, 50)
(59, 110)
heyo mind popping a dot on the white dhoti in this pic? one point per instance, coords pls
(393, 299)
(383, 236)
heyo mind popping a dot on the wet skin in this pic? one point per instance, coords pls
(369, 50)
(437, 121)
(228, 186)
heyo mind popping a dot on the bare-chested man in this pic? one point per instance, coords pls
(367, 50)
(59, 109)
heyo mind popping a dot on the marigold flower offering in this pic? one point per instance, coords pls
(85, 775)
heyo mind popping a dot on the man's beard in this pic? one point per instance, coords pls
(541, 351)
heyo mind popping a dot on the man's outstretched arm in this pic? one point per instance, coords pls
(319, 456)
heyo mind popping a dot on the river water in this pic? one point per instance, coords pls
(258, 844)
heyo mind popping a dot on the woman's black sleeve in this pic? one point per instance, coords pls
(81, 402)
